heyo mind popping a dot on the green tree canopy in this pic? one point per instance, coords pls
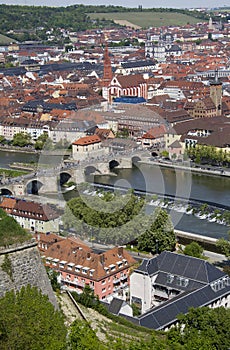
(41, 140)
(21, 139)
(28, 321)
(106, 217)
(160, 235)
(10, 231)
(202, 328)
(194, 249)
(224, 245)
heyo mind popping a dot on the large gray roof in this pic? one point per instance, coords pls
(181, 265)
(166, 314)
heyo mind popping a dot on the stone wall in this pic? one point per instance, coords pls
(21, 265)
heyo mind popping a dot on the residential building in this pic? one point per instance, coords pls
(107, 273)
(32, 216)
(170, 283)
(154, 137)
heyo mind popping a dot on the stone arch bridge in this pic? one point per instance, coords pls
(51, 180)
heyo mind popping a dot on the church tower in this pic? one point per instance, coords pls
(216, 94)
(108, 74)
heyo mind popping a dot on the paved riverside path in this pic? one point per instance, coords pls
(225, 172)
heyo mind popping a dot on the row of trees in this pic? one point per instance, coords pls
(209, 155)
(23, 139)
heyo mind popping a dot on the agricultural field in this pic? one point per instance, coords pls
(5, 40)
(147, 19)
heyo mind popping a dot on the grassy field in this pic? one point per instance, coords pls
(5, 40)
(148, 19)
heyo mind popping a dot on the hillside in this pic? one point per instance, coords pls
(5, 40)
(10, 231)
(148, 19)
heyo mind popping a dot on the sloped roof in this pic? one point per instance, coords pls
(166, 314)
(78, 254)
(181, 265)
(87, 140)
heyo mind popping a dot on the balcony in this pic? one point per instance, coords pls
(116, 289)
(116, 280)
(75, 282)
(124, 277)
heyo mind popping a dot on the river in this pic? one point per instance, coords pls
(168, 181)
(159, 180)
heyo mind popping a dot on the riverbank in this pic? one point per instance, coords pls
(197, 170)
(19, 150)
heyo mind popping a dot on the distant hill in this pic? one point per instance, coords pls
(147, 19)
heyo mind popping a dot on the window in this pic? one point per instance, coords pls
(170, 278)
(182, 281)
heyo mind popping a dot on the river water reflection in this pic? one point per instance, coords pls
(160, 180)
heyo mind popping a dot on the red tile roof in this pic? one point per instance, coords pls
(87, 140)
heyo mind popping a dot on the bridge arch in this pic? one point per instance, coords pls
(91, 169)
(64, 177)
(33, 187)
(154, 154)
(113, 164)
(135, 159)
(4, 191)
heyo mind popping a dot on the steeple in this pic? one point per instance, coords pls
(108, 74)
(216, 93)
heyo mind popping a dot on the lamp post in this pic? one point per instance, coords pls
(156, 246)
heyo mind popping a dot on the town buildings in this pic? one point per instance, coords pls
(32, 216)
(170, 283)
(78, 265)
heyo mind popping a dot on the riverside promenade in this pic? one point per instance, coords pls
(224, 172)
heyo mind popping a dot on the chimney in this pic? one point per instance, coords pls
(120, 251)
(102, 259)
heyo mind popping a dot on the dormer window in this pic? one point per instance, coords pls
(48, 260)
(170, 278)
(182, 281)
(62, 264)
(78, 268)
(55, 261)
(91, 272)
(112, 267)
(85, 270)
(70, 266)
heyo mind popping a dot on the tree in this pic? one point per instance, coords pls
(194, 249)
(107, 217)
(224, 245)
(53, 277)
(2, 139)
(41, 140)
(28, 321)
(202, 328)
(160, 235)
(21, 139)
(82, 337)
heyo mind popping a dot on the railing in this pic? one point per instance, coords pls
(77, 283)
